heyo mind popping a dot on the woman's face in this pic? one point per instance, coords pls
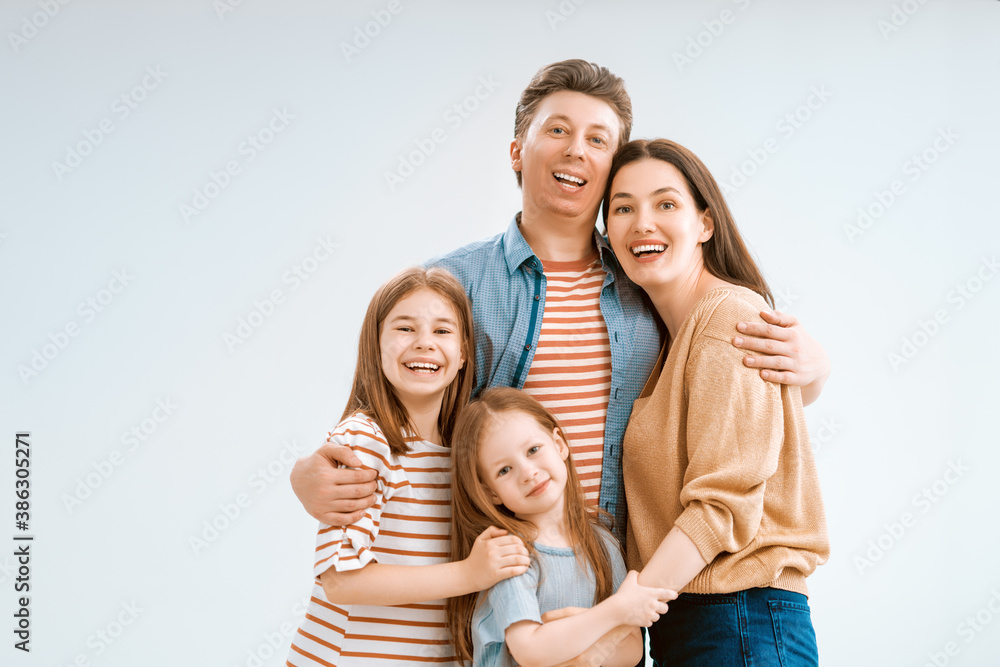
(654, 226)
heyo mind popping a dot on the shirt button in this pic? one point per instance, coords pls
(537, 297)
(527, 347)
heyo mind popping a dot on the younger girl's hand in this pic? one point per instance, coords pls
(641, 605)
(495, 556)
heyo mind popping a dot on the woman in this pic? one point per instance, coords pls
(722, 490)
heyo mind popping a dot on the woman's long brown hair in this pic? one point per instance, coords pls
(371, 392)
(725, 255)
(473, 510)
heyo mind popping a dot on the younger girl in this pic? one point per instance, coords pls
(512, 469)
(379, 581)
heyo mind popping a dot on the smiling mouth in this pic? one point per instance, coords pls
(648, 249)
(566, 179)
(540, 488)
(423, 367)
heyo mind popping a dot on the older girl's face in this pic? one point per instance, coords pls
(654, 226)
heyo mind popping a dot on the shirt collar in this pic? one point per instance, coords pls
(517, 251)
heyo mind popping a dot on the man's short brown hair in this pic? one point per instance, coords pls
(578, 76)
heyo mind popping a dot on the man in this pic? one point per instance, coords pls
(554, 313)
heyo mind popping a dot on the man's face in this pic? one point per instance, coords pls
(565, 155)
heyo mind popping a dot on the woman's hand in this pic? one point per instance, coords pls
(788, 354)
(495, 556)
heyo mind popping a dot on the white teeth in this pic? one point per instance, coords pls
(567, 177)
(639, 249)
(422, 366)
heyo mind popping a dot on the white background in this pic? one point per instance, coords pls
(884, 431)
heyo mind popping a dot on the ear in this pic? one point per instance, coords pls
(560, 443)
(515, 154)
(708, 226)
(494, 498)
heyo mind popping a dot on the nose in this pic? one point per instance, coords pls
(575, 146)
(424, 340)
(528, 472)
(644, 220)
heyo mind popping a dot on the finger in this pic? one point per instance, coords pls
(340, 518)
(491, 533)
(349, 505)
(779, 318)
(787, 377)
(344, 479)
(337, 453)
(770, 362)
(764, 330)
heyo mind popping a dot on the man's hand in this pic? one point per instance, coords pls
(788, 354)
(334, 496)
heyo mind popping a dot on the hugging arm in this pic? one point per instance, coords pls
(787, 353)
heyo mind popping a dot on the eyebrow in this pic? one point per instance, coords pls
(624, 195)
(411, 318)
(592, 126)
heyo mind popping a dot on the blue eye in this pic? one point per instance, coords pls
(534, 449)
(503, 471)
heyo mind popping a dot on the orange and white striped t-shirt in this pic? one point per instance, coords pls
(570, 373)
(409, 524)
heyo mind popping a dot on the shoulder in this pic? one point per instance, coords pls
(469, 257)
(718, 313)
(363, 435)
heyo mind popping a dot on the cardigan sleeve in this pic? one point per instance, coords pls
(734, 433)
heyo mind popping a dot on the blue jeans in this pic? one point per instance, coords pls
(753, 628)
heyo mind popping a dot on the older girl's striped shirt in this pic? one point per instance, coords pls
(409, 524)
(571, 371)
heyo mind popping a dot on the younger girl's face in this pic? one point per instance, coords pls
(421, 344)
(523, 465)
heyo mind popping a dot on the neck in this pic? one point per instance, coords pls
(558, 238)
(424, 417)
(550, 526)
(675, 300)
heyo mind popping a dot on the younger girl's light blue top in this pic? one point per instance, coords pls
(553, 581)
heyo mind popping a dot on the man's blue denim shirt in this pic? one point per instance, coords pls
(505, 282)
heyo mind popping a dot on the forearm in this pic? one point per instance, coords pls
(627, 651)
(387, 585)
(674, 563)
(559, 641)
(811, 391)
